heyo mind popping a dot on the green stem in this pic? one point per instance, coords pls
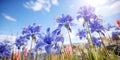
(36, 55)
(4, 58)
(29, 58)
(101, 40)
(21, 55)
(109, 40)
(70, 40)
(89, 35)
(12, 55)
(92, 47)
(105, 50)
(31, 44)
(72, 56)
(62, 50)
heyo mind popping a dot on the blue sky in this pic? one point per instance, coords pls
(16, 14)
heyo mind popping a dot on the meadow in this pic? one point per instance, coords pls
(50, 45)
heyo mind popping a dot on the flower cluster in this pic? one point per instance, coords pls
(20, 41)
(95, 26)
(31, 31)
(5, 49)
(87, 13)
(65, 20)
(50, 39)
(96, 41)
(92, 24)
(28, 33)
(81, 33)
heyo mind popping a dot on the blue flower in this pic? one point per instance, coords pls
(39, 45)
(87, 13)
(95, 26)
(20, 41)
(56, 49)
(115, 35)
(5, 49)
(31, 31)
(81, 33)
(48, 48)
(96, 41)
(65, 20)
(50, 39)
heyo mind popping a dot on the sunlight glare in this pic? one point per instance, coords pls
(96, 3)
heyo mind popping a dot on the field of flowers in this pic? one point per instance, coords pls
(45, 46)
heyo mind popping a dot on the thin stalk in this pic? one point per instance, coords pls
(36, 55)
(89, 35)
(70, 40)
(4, 58)
(29, 58)
(92, 50)
(19, 53)
(22, 56)
(101, 40)
(31, 44)
(110, 39)
(104, 48)
(49, 56)
(12, 55)
(63, 51)
(33, 39)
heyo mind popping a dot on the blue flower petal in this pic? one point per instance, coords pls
(48, 31)
(60, 39)
(86, 12)
(64, 20)
(39, 44)
(5, 49)
(48, 49)
(96, 41)
(54, 33)
(81, 33)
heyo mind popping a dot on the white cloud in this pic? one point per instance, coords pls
(7, 37)
(109, 9)
(47, 6)
(40, 4)
(105, 8)
(35, 6)
(55, 2)
(9, 17)
(72, 6)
